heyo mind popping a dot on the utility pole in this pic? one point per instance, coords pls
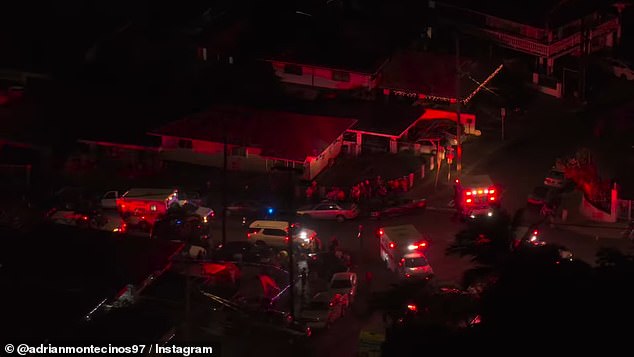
(188, 305)
(291, 216)
(224, 181)
(291, 267)
(458, 104)
(585, 49)
(503, 115)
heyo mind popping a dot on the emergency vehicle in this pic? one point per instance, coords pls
(141, 207)
(403, 251)
(476, 196)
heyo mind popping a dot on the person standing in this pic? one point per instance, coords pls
(303, 278)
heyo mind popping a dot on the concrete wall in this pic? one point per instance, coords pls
(321, 162)
(593, 213)
(323, 77)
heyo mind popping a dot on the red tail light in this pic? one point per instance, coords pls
(412, 307)
(422, 244)
(535, 232)
(381, 232)
(492, 198)
(392, 245)
(468, 193)
(491, 191)
(468, 200)
(331, 304)
(85, 218)
(248, 235)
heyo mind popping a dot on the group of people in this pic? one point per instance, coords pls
(363, 191)
(367, 190)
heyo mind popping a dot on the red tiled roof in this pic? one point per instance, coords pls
(280, 135)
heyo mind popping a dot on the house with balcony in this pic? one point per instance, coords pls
(546, 30)
(257, 140)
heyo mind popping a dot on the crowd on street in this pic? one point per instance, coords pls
(362, 192)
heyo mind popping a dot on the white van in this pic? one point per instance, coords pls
(275, 233)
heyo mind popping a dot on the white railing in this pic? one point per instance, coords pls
(556, 49)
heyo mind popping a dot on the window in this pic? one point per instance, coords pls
(415, 262)
(239, 151)
(185, 144)
(293, 69)
(274, 232)
(322, 208)
(340, 76)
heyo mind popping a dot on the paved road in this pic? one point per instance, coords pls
(550, 130)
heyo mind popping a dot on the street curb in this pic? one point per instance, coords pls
(588, 233)
(589, 226)
(440, 209)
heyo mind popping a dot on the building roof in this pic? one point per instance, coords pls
(427, 73)
(539, 13)
(391, 118)
(352, 46)
(281, 135)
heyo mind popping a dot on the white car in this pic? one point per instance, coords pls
(324, 309)
(428, 146)
(415, 265)
(275, 234)
(330, 210)
(620, 68)
(344, 283)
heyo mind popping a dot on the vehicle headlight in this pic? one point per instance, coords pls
(472, 216)
(303, 235)
(205, 219)
(490, 214)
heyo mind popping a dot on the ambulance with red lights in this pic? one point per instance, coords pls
(142, 206)
(403, 251)
(476, 196)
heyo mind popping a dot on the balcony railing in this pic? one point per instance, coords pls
(557, 49)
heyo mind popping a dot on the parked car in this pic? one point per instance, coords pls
(396, 207)
(275, 234)
(243, 251)
(247, 208)
(330, 210)
(619, 68)
(556, 179)
(427, 146)
(181, 227)
(344, 283)
(324, 309)
(190, 197)
(542, 195)
(415, 265)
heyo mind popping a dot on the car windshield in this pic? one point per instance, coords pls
(340, 284)
(415, 262)
(318, 305)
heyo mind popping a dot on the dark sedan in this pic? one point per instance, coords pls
(247, 208)
(244, 251)
(396, 207)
